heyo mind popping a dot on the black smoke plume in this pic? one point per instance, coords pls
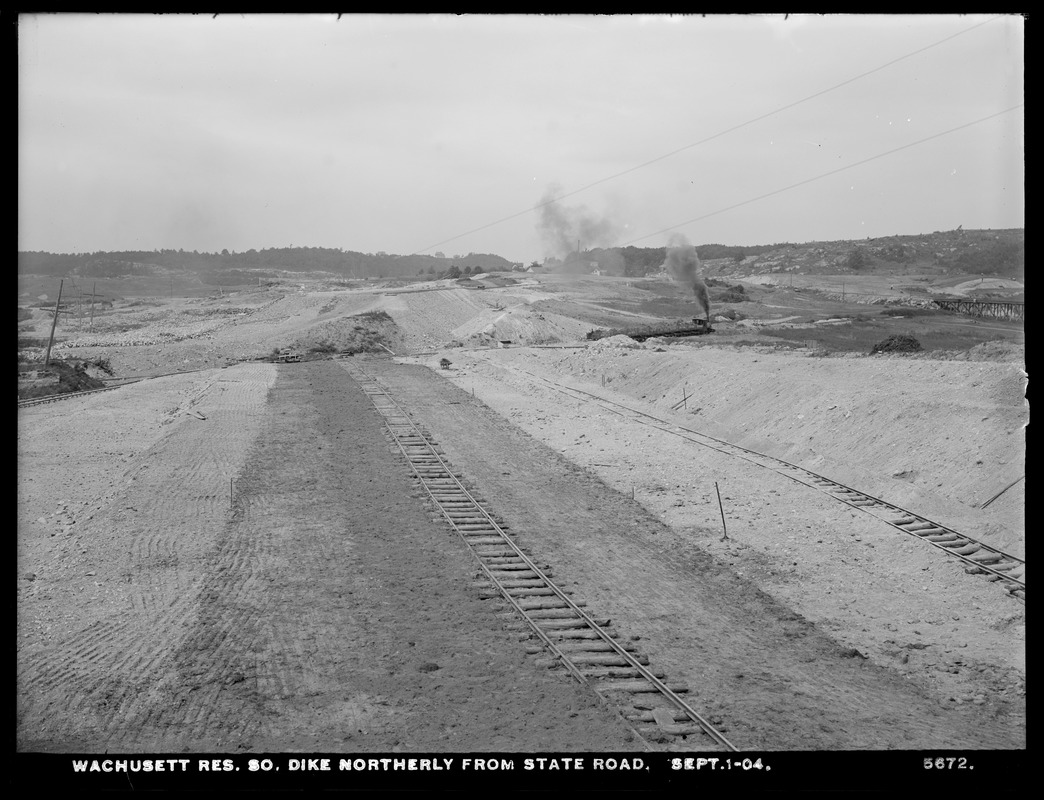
(683, 265)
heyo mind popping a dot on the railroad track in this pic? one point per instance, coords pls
(36, 401)
(584, 644)
(51, 398)
(980, 558)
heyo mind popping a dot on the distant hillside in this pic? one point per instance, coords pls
(976, 252)
(229, 269)
(1001, 253)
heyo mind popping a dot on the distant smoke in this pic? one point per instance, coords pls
(610, 262)
(683, 265)
(561, 228)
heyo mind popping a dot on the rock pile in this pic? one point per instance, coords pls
(899, 343)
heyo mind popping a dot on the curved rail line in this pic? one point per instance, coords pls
(997, 565)
(37, 401)
(585, 645)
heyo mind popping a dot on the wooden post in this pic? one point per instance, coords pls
(93, 287)
(54, 322)
(724, 530)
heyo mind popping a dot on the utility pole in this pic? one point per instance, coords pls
(93, 287)
(724, 530)
(54, 322)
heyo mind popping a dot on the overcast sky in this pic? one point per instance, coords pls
(405, 134)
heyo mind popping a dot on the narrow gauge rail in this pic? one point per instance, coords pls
(997, 565)
(36, 401)
(122, 382)
(586, 646)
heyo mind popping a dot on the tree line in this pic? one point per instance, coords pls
(345, 263)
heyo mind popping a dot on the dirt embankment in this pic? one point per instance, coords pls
(938, 434)
(153, 616)
(321, 612)
(889, 596)
(778, 670)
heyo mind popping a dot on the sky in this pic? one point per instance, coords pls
(520, 135)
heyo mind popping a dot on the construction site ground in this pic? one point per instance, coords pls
(234, 558)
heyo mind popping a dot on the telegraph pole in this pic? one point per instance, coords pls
(54, 322)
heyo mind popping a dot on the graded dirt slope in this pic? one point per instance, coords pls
(891, 597)
(321, 612)
(941, 434)
(762, 668)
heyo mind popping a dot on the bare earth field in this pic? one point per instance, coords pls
(234, 558)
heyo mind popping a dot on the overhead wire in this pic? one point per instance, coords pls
(825, 174)
(711, 138)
